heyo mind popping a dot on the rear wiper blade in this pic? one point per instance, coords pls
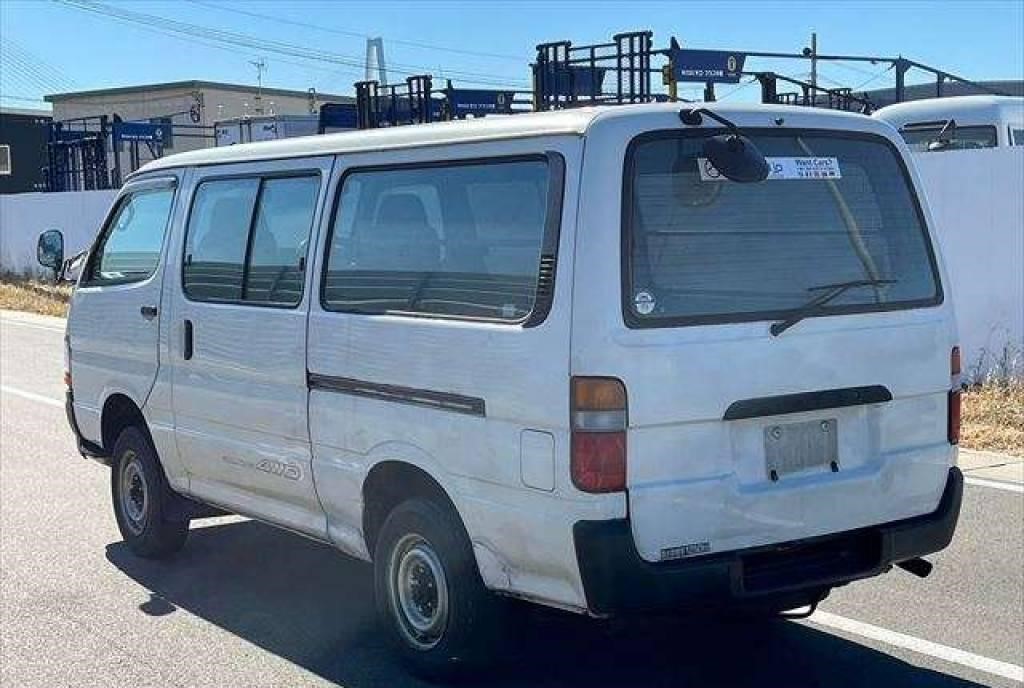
(829, 292)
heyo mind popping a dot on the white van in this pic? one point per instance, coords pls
(958, 123)
(612, 360)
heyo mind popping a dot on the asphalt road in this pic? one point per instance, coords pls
(247, 605)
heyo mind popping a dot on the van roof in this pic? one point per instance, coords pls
(966, 110)
(571, 122)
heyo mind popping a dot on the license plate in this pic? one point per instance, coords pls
(795, 447)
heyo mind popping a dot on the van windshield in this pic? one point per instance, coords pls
(836, 208)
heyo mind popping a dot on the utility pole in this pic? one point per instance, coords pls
(260, 65)
(814, 59)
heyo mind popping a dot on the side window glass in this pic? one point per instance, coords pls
(277, 258)
(129, 250)
(218, 234)
(248, 240)
(456, 240)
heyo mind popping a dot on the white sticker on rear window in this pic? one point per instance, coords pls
(782, 168)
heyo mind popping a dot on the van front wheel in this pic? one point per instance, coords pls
(139, 492)
(437, 612)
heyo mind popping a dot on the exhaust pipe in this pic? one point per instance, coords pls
(919, 567)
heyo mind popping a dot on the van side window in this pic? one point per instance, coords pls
(247, 240)
(454, 240)
(129, 249)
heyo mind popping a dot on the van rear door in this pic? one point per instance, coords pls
(738, 437)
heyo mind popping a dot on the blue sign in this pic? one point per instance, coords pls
(141, 131)
(715, 66)
(478, 101)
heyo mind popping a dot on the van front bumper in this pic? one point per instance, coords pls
(616, 580)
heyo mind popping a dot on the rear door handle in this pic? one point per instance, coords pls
(187, 351)
(148, 312)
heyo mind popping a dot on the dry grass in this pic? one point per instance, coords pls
(34, 296)
(993, 417)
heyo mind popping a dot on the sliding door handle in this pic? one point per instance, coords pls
(187, 350)
(148, 312)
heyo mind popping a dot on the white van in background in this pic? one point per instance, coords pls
(969, 153)
(958, 122)
(612, 360)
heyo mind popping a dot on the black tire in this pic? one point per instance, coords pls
(140, 494)
(471, 630)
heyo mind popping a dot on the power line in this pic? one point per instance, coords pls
(20, 67)
(357, 34)
(37, 64)
(246, 40)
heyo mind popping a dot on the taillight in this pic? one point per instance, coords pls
(67, 361)
(598, 462)
(953, 416)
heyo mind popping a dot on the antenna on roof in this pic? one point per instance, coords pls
(260, 65)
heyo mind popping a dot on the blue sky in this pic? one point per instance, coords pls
(49, 45)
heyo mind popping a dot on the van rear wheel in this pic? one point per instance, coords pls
(439, 616)
(139, 493)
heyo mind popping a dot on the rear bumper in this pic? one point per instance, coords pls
(617, 580)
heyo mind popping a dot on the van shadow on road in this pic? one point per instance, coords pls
(314, 607)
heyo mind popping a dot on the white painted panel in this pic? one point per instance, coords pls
(537, 459)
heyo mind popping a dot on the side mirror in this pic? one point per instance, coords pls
(737, 158)
(50, 251)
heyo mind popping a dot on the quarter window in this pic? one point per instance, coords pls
(248, 238)
(129, 249)
(461, 240)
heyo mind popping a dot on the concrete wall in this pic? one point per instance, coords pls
(78, 214)
(977, 199)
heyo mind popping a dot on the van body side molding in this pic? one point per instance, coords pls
(445, 401)
(807, 401)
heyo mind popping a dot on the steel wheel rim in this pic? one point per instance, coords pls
(418, 588)
(134, 493)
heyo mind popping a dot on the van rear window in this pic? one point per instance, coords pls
(702, 250)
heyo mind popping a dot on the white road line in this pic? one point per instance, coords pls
(35, 326)
(997, 484)
(31, 396)
(987, 665)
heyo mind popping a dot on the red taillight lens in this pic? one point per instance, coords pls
(598, 460)
(67, 361)
(953, 432)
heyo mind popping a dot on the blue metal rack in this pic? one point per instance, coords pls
(613, 73)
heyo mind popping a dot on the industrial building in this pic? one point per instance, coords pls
(22, 149)
(99, 136)
(188, 104)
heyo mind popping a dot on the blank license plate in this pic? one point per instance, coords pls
(794, 447)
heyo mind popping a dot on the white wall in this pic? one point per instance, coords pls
(78, 214)
(977, 199)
